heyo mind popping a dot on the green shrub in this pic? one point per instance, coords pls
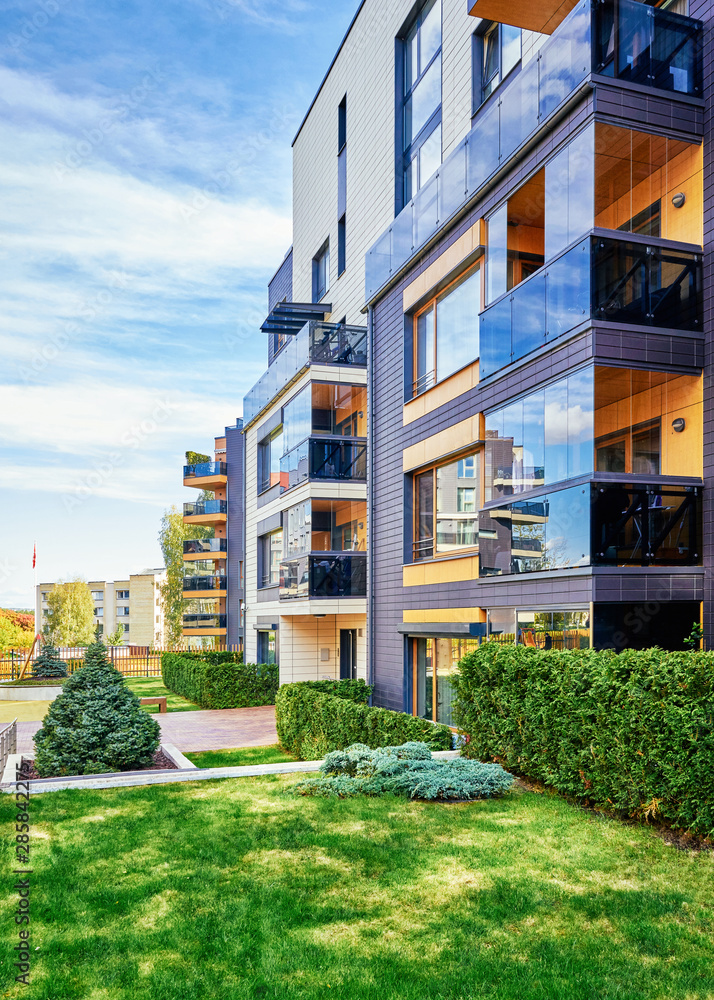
(213, 655)
(310, 723)
(356, 690)
(48, 663)
(631, 732)
(96, 724)
(404, 770)
(220, 684)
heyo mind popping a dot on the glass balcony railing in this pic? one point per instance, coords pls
(329, 574)
(205, 469)
(194, 546)
(200, 622)
(204, 583)
(597, 524)
(622, 39)
(322, 458)
(316, 344)
(619, 281)
(203, 507)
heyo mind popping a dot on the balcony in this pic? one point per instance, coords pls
(597, 524)
(206, 512)
(621, 39)
(316, 344)
(606, 279)
(324, 459)
(327, 574)
(206, 475)
(195, 585)
(201, 623)
(202, 547)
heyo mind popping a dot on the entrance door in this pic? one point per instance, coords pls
(348, 654)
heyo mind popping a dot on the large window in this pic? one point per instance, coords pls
(271, 552)
(446, 503)
(496, 52)
(421, 99)
(435, 662)
(269, 453)
(326, 526)
(445, 334)
(598, 419)
(267, 647)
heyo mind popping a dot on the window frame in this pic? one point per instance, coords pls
(407, 153)
(322, 255)
(265, 567)
(265, 460)
(478, 54)
(479, 450)
(432, 303)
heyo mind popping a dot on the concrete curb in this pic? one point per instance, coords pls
(131, 779)
(38, 693)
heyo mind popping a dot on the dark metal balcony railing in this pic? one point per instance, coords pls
(316, 344)
(203, 621)
(329, 574)
(203, 507)
(204, 583)
(616, 280)
(600, 524)
(324, 458)
(205, 469)
(195, 545)
(623, 39)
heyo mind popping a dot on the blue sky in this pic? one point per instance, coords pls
(145, 201)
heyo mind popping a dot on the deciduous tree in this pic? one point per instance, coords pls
(70, 613)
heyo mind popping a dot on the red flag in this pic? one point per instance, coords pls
(34, 555)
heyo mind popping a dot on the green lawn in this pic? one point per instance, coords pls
(153, 687)
(231, 889)
(240, 757)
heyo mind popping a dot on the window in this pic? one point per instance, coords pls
(100, 629)
(97, 595)
(342, 124)
(445, 511)
(496, 51)
(267, 647)
(123, 612)
(326, 526)
(421, 100)
(269, 453)
(271, 553)
(122, 595)
(445, 332)
(341, 245)
(98, 612)
(45, 594)
(321, 273)
(126, 628)
(435, 662)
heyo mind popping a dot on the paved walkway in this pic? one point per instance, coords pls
(219, 729)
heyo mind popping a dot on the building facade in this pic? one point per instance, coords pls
(512, 200)
(133, 604)
(213, 566)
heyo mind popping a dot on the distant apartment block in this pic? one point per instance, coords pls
(133, 604)
(213, 567)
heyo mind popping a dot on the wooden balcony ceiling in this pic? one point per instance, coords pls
(536, 15)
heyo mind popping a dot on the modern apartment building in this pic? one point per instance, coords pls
(213, 566)
(510, 199)
(133, 604)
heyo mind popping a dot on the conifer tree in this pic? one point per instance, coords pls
(48, 663)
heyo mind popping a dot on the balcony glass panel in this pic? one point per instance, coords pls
(317, 343)
(195, 545)
(335, 459)
(326, 526)
(528, 316)
(205, 469)
(452, 182)
(645, 525)
(199, 567)
(495, 337)
(205, 507)
(329, 575)
(619, 38)
(204, 583)
(199, 622)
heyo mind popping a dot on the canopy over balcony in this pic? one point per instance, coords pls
(291, 317)
(538, 15)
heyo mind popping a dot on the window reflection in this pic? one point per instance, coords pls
(447, 499)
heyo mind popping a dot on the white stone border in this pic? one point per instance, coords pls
(176, 757)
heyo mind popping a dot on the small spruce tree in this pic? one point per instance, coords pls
(96, 725)
(48, 663)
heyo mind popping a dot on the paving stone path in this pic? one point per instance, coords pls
(219, 729)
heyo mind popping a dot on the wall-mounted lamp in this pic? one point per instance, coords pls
(678, 425)
(679, 199)
(318, 616)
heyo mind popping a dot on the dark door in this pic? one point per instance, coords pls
(348, 654)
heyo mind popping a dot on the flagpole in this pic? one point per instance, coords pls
(37, 604)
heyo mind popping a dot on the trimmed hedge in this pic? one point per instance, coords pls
(213, 656)
(631, 732)
(311, 723)
(226, 684)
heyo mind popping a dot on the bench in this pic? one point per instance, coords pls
(161, 702)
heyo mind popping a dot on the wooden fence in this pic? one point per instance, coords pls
(132, 661)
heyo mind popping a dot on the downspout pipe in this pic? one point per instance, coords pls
(370, 498)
